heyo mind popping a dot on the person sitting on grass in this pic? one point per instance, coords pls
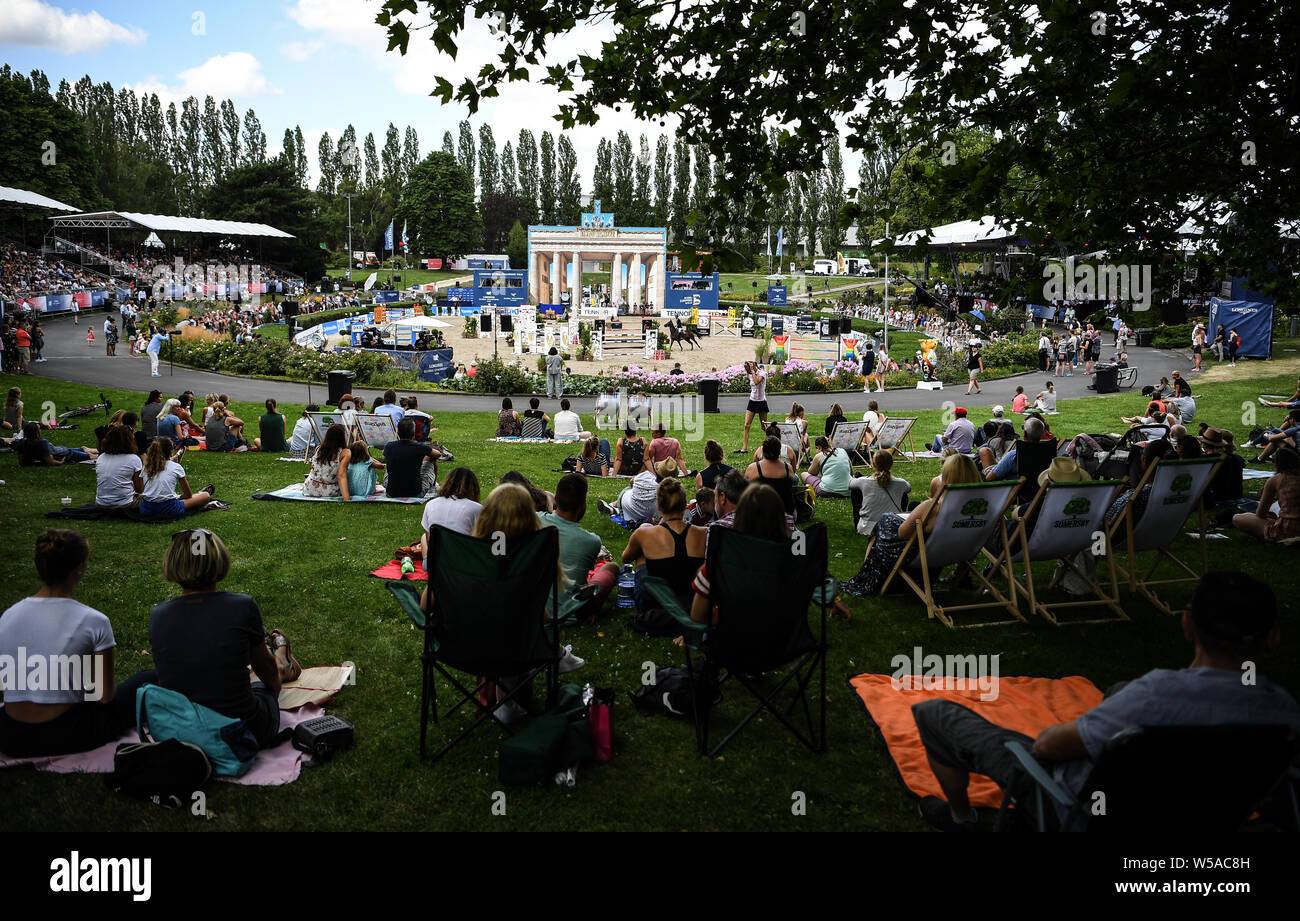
(830, 471)
(508, 424)
(149, 414)
(204, 642)
(270, 429)
(166, 492)
(835, 417)
(35, 451)
(1020, 401)
(536, 424)
(362, 479)
(388, 407)
(1045, 401)
(48, 721)
(13, 418)
(1291, 402)
(119, 472)
(882, 492)
(543, 501)
(455, 507)
(636, 503)
(1226, 487)
(1284, 489)
(631, 456)
(1231, 624)
(714, 468)
(404, 458)
(673, 549)
(594, 459)
(1285, 435)
(216, 433)
(771, 468)
(303, 434)
(568, 424)
(663, 447)
(702, 511)
(328, 477)
(588, 577)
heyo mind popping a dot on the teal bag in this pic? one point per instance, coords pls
(549, 743)
(161, 714)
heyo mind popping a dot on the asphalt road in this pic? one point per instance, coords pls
(70, 358)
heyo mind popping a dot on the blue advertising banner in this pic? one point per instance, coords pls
(500, 288)
(387, 297)
(58, 302)
(691, 289)
(1253, 321)
(97, 298)
(776, 295)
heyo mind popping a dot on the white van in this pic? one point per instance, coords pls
(824, 266)
(858, 266)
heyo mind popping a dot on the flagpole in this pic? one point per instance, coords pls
(885, 344)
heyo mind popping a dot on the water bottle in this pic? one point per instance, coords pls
(626, 587)
(407, 566)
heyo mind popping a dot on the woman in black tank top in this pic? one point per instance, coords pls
(675, 556)
(708, 477)
(782, 483)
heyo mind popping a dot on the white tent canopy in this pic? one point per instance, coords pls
(169, 224)
(985, 231)
(10, 196)
(152, 240)
(418, 322)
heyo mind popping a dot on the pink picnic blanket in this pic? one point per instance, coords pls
(273, 767)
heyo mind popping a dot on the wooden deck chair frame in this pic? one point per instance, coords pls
(904, 435)
(1019, 552)
(924, 586)
(859, 447)
(1139, 580)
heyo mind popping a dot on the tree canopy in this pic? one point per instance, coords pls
(438, 203)
(268, 193)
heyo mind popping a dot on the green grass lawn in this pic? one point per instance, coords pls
(307, 566)
(409, 276)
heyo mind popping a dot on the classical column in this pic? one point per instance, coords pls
(534, 292)
(616, 275)
(557, 278)
(634, 296)
(653, 282)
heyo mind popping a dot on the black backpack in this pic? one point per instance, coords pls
(672, 690)
(164, 773)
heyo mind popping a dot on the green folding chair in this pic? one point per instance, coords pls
(762, 589)
(487, 620)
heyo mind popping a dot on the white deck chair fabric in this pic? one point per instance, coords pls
(1175, 488)
(965, 521)
(1068, 517)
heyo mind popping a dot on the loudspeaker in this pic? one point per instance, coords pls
(289, 309)
(834, 326)
(646, 326)
(600, 325)
(485, 322)
(846, 324)
(507, 323)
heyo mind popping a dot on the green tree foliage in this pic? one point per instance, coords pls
(500, 213)
(489, 170)
(602, 175)
(527, 171)
(466, 154)
(681, 188)
(663, 182)
(569, 191)
(517, 247)
(546, 187)
(509, 184)
(623, 204)
(33, 118)
(269, 193)
(438, 203)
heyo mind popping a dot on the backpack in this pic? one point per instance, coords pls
(805, 504)
(655, 621)
(672, 690)
(569, 465)
(549, 743)
(164, 773)
(161, 714)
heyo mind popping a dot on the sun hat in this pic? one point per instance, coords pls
(1063, 470)
(666, 468)
(1212, 438)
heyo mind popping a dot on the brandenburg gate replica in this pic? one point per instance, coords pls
(637, 258)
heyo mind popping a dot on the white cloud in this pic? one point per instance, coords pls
(235, 75)
(31, 22)
(302, 51)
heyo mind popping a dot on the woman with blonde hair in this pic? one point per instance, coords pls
(880, 493)
(673, 550)
(894, 530)
(166, 491)
(205, 640)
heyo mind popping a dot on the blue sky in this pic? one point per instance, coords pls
(320, 64)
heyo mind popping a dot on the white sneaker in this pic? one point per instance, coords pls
(605, 507)
(569, 662)
(510, 712)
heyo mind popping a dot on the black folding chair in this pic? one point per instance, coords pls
(762, 589)
(1166, 778)
(1032, 458)
(488, 620)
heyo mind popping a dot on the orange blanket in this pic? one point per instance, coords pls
(1027, 705)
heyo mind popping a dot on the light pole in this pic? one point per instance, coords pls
(349, 196)
(885, 312)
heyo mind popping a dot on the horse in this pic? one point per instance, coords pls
(677, 334)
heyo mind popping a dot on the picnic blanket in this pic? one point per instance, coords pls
(393, 570)
(516, 439)
(93, 512)
(315, 685)
(273, 767)
(293, 492)
(1027, 705)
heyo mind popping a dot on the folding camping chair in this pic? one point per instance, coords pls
(1066, 518)
(488, 620)
(965, 518)
(1155, 778)
(1032, 458)
(1176, 489)
(762, 589)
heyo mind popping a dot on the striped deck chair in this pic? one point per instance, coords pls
(965, 518)
(1068, 518)
(1176, 489)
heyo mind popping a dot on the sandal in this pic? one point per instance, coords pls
(211, 490)
(290, 669)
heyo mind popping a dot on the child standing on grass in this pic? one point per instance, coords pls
(362, 479)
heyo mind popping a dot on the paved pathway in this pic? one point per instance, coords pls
(71, 359)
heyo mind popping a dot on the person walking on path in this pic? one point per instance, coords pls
(974, 365)
(554, 374)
